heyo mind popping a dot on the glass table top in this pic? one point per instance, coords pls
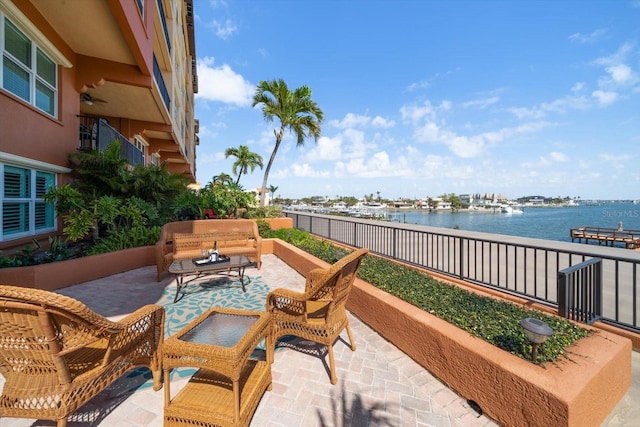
(220, 329)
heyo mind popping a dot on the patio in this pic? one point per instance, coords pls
(378, 384)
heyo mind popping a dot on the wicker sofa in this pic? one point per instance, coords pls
(233, 236)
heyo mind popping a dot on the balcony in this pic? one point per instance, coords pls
(97, 134)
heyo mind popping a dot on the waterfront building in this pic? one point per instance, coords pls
(79, 75)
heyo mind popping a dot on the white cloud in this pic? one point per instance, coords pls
(616, 58)
(429, 132)
(224, 29)
(377, 166)
(222, 84)
(615, 158)
(352, 120)
(558, 106)
(472, 145)
(558, 157)
(416, 113)
(605, 98)
(381, 122)
(547, 161)
(425, 84)
(620, 73)
(587, 38)
(327, 149)
(305, 170)
(355, 144)
(211, 129)
(481, 104)
(465, 147)
(578, 87)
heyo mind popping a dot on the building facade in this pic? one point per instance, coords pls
(78, 74)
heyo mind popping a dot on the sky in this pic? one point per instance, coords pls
(424, 98)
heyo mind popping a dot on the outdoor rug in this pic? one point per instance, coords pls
(196, 298)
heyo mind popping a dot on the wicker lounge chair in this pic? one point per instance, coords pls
(318, 314)
(56, 353)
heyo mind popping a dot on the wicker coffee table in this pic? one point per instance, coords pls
(189, 267)
(227, 388)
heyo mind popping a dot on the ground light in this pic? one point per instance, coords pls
(537, 332)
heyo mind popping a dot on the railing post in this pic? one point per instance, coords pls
(395, 243)
(562, 294)
(461, 258)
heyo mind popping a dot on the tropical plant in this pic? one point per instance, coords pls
(107, 195)
(272, 191)
(222, 179)
(245, 160)
(224, 197)
(156, 185)
(265, 212)
(126, 238)
(97, 173)
(188, 205)
(94, 217)
(296, 112)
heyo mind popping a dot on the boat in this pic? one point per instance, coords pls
(510, 210)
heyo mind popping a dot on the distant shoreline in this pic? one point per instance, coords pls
(479, 210)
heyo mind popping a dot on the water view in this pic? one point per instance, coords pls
(540, 223)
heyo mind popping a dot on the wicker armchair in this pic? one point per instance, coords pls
(56, 353)
(318, 314)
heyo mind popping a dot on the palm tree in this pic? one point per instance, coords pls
(272, 191)
(223, 179)
(296, 112)
(245, 160)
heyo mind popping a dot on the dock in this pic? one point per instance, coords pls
(607, 236)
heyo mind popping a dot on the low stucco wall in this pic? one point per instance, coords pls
(579, 391)
(278, 223)
(61, 274)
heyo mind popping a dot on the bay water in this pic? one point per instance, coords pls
(550, 223)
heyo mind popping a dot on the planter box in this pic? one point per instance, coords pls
(579, 391)
(61, 274)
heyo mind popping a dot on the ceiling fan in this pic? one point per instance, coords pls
(89, 100)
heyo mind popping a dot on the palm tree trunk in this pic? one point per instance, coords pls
(263, 190)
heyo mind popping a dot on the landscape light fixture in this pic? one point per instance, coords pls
(537, 332)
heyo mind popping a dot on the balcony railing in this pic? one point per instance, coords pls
(157, 75)
(97, 134)
(514, 265)
(163, 19)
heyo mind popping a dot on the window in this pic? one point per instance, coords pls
(140, 4)
(155, 159)
(27, 71)
(24, 212)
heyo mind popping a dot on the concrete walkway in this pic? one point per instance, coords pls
(377, 384)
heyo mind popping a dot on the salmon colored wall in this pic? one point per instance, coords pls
(28, 132)
(57, 275)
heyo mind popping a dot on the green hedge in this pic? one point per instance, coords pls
(495, 321)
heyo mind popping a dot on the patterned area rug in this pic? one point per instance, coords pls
(197, 297)
(200, 295)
